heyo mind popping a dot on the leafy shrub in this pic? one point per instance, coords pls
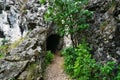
(83, 63)
(69, 15)
(42, 1)
(118, 74)
(80, 65)
(103, 71)
(70, 58)
(78, 62)
(48, 58)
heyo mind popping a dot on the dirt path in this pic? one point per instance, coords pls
(55, 70)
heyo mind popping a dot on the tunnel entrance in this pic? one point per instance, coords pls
(53, 42)
(2, 34)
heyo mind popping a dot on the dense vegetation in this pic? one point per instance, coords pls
(48, 58)
(80, 65)
(71, 18)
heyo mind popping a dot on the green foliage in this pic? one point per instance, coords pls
(48, 58)
(1, 55)
(70, 58)
(42, 1)
(107, 68)
(4, 41)
(104, 71)
(69, 15)
(83, 63)
(32, 71)
(4, 49)
(78, 62)
(118, 74)
(13, 78)
(80, 65)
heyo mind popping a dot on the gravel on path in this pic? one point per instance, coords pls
(55, 71)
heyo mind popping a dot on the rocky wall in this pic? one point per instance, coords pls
(104, 32)
(17, 18)
(25, 61)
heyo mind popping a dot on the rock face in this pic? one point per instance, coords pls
(25, 61)
(104, 33)
(17, 17)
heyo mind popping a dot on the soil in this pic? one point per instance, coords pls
(55, 71)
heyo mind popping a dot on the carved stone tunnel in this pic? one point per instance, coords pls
(53, 43)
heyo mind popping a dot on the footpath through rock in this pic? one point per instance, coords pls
(55, 71)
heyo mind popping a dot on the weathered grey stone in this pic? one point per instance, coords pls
(16, 16)
(18, 62)
(104, 33)
(11, 69)
(26, 60)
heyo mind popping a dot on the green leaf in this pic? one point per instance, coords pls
(1, 55)
(42, 1)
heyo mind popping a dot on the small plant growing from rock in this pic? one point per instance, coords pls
(48, 57)
(42, 1)
(1, 55)
(4, 49)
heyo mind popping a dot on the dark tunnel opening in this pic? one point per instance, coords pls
(2, 34)
(52, 43)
